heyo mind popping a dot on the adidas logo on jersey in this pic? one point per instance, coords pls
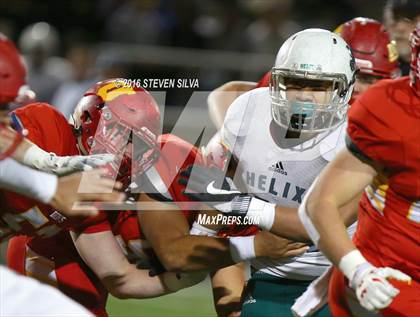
(278, 167)
(249, 300)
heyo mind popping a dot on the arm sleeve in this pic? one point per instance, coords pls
(27, 181)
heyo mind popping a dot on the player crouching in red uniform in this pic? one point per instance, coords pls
(51, 256)
(378, 274)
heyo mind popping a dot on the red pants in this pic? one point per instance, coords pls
(343, 301)
(60, 266)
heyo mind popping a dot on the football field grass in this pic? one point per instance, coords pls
(195, 301)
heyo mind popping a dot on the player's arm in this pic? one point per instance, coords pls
(33, 156)
(225, 197)
(168, 233)
(10, 143)
(104, 256)
(342, 180)
(287, 223)
(59, 192)
(222, 97)
(228, 284)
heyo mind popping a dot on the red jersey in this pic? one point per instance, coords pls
(265, 81)
(384, 126)
(48, 253)
(176, 155)
(49, 130)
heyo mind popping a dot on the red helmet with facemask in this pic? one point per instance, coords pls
(415, 60)
(12, 90)
(372, 47)
(12, 71)
(121, 121)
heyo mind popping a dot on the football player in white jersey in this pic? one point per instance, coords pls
(281, 138)
(376, 58)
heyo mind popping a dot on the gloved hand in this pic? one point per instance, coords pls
(370, 283)
(61, 165)
(66, 164)
(373, 290)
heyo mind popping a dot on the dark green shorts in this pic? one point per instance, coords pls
(269, 296)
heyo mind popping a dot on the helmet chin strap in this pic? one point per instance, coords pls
(80, 144)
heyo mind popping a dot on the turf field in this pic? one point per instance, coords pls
(195, 301)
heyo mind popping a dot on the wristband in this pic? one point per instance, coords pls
(263, 211)
(242, 248)
(350, 262)
(37, 157)
(199, 230)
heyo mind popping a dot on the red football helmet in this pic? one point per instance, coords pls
(12, 72)
(415, 60)
(12, 86)
(372, 47)
(109, 116)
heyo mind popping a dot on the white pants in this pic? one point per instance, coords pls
(22, 296)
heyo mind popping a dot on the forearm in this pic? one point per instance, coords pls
(287, 223)
(139, 284)
(7, 137)
(21, 150)
(228, 284)
(11, 142)
(341, 183)
(195, 253)
(134, 283)
(101, 252)
(334, 241)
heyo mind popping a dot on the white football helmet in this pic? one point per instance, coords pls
(313, 55)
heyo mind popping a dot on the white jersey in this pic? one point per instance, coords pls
(24, 296)
(275, 174)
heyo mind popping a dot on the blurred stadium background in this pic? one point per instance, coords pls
(68, 45)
